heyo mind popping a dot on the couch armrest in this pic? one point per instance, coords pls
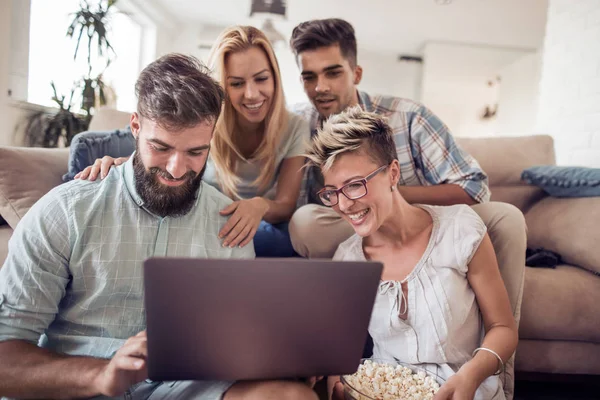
(569, 227)
(27, 175)
(5, 234)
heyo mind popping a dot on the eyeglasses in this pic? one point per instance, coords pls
(353, 190)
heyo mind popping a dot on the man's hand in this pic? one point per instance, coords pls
(243, 222)
(458, 387)
(126, 368)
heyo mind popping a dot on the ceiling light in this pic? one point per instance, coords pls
(276, 7)
(269, 9)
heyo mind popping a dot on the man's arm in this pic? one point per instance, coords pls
(291, 174)
(454, 176)
(439, 195)
(28, 371)
(33, 282)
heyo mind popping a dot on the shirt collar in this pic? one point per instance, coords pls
(129, 178)
(365, 102)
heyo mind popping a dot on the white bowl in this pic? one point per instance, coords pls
(356, 393)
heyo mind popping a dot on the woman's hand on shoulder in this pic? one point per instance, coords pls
(243, 222)
(100, 166)
(458, 387)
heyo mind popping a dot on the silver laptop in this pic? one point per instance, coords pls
(217, 319)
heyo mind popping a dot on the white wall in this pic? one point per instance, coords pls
(5, 11)
(14, 28)
(14, 57)
(455, 84)
(384, 74)
(519, 95)
(569, 107)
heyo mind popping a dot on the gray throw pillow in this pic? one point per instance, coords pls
(564, 181)
(86, 147)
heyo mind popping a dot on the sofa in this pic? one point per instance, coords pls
(559, 331)
(560, 321)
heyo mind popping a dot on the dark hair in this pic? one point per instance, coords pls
(311, 35)
(176, 91)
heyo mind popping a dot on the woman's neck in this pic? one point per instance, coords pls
(249, 128)
(403, 224)
(249, 136)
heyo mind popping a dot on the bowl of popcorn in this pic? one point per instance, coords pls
(378, 379)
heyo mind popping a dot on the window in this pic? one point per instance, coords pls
(51, 55)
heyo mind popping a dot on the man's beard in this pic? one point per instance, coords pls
(163, 200)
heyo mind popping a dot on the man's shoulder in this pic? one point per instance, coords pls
(296, 121)
(67, 199)
(79, 190)
(212, 198)
(304, 110)
(404, 115)
(385, 104)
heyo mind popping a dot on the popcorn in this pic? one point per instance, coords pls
(384, 381)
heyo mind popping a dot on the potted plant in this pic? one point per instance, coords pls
(54, 130)
(90, 26)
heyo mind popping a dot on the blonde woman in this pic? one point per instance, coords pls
(441, 303)
(256, 151)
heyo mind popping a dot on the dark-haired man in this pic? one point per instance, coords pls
(434, 169)
(73, 271)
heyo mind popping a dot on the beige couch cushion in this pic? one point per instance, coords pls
(568, 227)
(558, 357)
(505, 158)
(5, 234)
(108, 119)
(26, 175)
(553, 307)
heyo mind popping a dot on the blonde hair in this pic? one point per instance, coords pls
(225, 151)
(351, 131)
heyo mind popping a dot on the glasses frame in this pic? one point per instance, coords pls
(341, 190)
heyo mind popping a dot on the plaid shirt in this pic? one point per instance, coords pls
(427, 152)
(74, 267)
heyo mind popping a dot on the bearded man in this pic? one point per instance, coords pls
(72, 321)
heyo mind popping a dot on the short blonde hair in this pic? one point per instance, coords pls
(351, 131)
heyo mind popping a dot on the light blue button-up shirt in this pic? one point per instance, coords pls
(74, 268)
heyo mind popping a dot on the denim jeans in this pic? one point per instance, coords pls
(273, 241)
(197, 390)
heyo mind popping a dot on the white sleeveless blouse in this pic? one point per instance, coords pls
(443, 324)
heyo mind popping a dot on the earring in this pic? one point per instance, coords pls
(392, 188)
